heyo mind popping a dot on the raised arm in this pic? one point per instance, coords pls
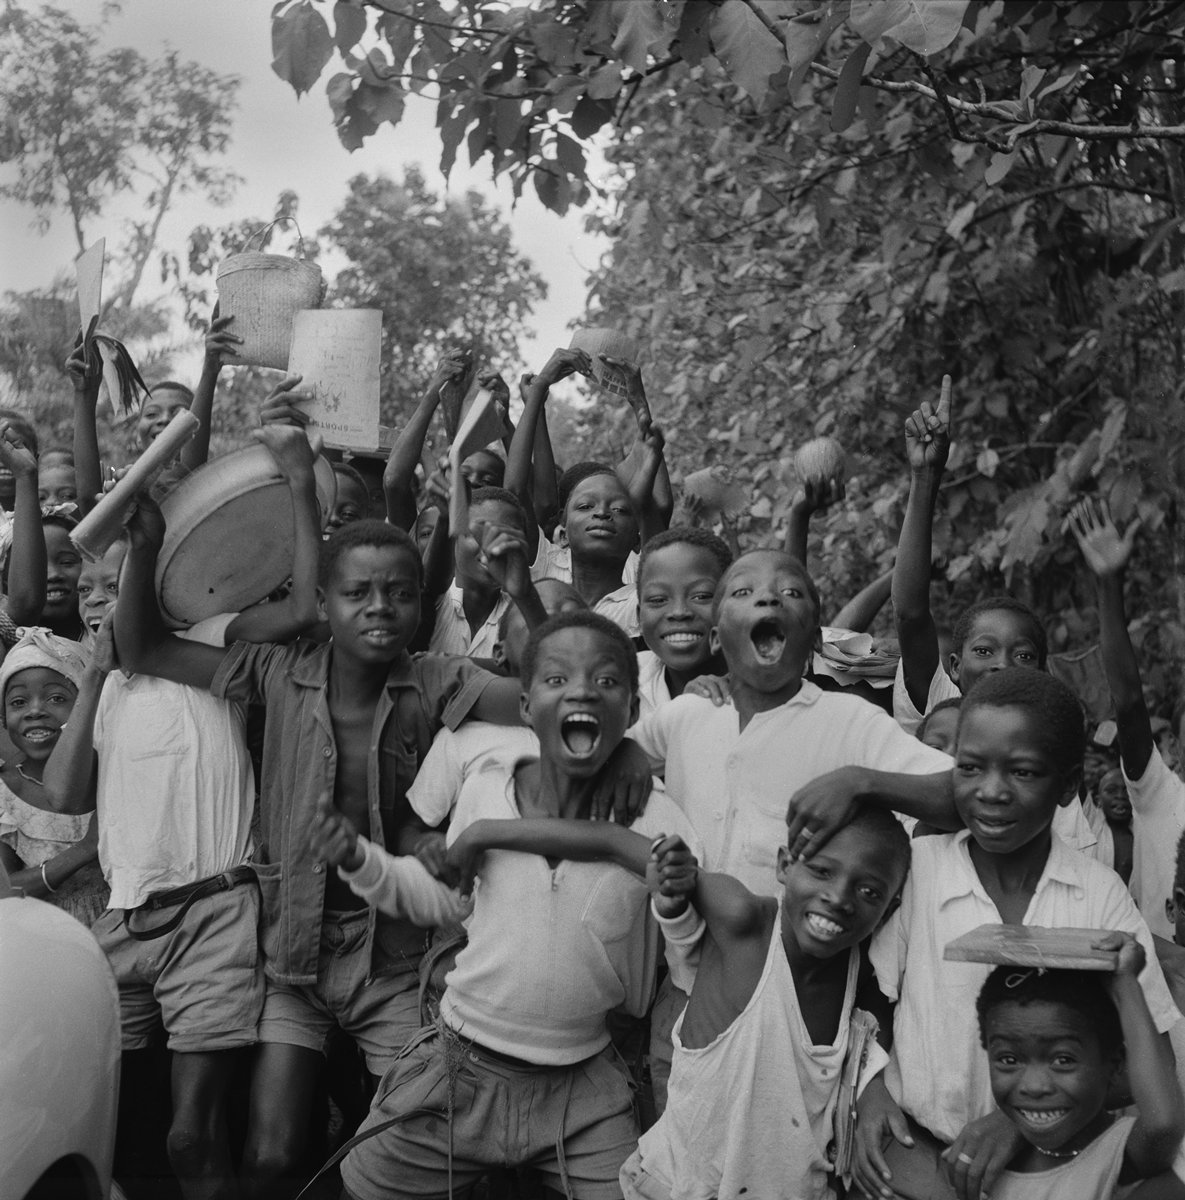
(26, 567)
(653, 516)
(1107, 552)
(399, 473)
(927, 444)
(860, 611)
(143, 643)
(297, 612)
(1151, 1069)
(809, 499)
(86, 373)
(659, 504)
(68, 780)
(220, 346)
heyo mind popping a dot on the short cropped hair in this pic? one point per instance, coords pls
(172, 385)
(687, 535)
(577, 474)
(950, 702)
(366, 533)
(499, 495)
(580, 619)
(967, 618)
(789, 559)
(352, 474)
(889, 832)
(1083, 992)
(1057, 715)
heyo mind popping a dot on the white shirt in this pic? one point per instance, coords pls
(653, 692)
(552, 951)
(905, 713)
(451, 634)
(175, 790)
(454, 755)
(1158, 819)
(734, 786)
(938, 1071)
(620, 605)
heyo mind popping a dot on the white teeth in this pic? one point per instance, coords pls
(1042, 1116)
(581, 719)
(39, 735)
(821, 927)
(680, 639)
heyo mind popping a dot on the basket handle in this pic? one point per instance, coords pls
(265, 228)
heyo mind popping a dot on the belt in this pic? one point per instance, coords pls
(186, 896)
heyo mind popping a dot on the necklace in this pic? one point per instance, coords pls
(1057, 1153)
(20, 770)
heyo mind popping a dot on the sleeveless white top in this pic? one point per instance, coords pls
(750, 1115)
(1092, 1175)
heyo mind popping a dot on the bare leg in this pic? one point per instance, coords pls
(275, 1158)
(198, 1145)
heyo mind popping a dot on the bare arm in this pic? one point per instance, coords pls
(808, 500)
(927, 441)
(653, 517)
(297, 612)
(86, 373)
(26, 568)
(54, 871)
(860, 611)
(543, 477)
(1107, 553)
(143, 643)
(220, 345)
(399, 473)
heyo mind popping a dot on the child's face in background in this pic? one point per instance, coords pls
(1007, 783)
(482, 517)
(37, 703)
(940, 731)
(63, 567)
(997, 639)
(599, 520)
(157, 411)
(675, 605)
(426, 521)
(836, 898)
(1048, 1072)
(351, 504)
(55, 484)
(766, 622)
(372, 602)
(98, 586)
(556, 596)
(1113, 798)
(579, 701)
(483, 468)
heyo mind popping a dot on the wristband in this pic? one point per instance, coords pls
(45, 879)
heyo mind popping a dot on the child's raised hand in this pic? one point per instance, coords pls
(15, 455)
(927, 433)
(671, 874)
(279, 407)
(504, 556)
(220, 342)
(814, 496)
(103, 658)
(333, 837)
(624, 784)
(712, 687)
(563, 363)
(1106, 550)
(146, 525)
(1131, 958)
(289, 447)
(452, 368)
(85, 369)
(493, 383)
(819, 809)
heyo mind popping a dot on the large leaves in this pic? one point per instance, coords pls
(749, 52)
(925, 26)
(301, 44)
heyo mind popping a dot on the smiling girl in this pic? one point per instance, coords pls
(50, 855)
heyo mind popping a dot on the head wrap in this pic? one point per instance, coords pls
(40, 648)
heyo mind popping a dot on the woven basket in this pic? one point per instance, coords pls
(264, 292)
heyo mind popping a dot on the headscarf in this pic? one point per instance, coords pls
(40, 648)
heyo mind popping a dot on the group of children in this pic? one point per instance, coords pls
(544, 842)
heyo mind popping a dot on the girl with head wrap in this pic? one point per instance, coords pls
(48, 854)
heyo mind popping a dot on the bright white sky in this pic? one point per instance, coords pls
(280, 142)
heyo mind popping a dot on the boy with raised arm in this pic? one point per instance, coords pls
(1157, 795)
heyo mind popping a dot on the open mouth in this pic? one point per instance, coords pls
(55, 595)
(39, 736)
(93, 621)
(380, 638)
(1041, 1118)
(768, 641)
(823, 928)
(580, 733)
(682, 640)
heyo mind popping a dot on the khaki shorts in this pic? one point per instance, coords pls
(381, 1016)
(636, 1184)
(203, 982)
(573, 1125)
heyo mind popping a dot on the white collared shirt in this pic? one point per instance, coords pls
(734, 785)
(1158, 818)
(938, 1071)
(452, 634)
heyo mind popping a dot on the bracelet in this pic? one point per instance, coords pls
(45, 879)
